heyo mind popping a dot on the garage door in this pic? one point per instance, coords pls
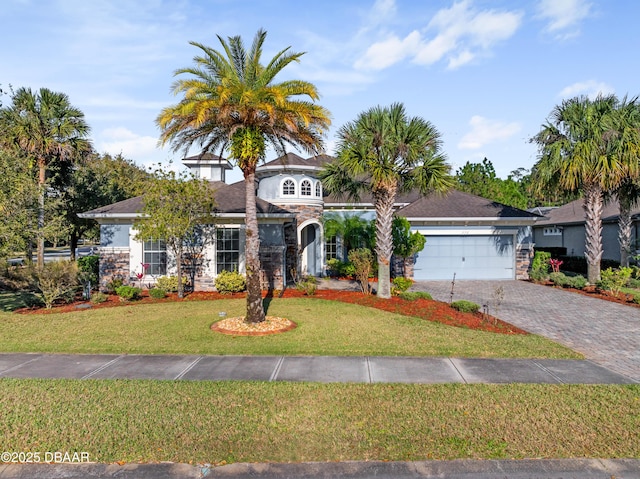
(469, 257)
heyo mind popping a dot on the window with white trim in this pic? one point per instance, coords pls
(331, 248)
(305, 188)
(154, 253)
(552, 231)
(288, 187)
(227, 249)
(318, 189)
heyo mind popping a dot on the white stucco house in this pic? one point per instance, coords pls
(467, 235)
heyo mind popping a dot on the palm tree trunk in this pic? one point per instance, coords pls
(624, 228)
(255, 311)
(593, 205)
(384, 199)
(41, 198)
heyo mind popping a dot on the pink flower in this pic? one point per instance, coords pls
(555, 265)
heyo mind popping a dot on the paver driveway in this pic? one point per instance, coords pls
(605, 332)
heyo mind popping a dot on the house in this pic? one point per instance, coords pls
(467, 235)
(564, 227)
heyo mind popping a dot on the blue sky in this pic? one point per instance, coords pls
(486, 73)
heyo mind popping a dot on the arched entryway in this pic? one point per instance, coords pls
(311, 251)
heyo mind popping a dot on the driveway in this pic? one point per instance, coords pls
(606, 333)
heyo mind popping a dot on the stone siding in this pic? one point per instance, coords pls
(114, 263)
(272, 266)
(524, 255)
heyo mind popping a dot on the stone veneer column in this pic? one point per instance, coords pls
(272, 265)
(114, 263)
(524, 254)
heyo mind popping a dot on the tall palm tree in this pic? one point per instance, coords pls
(581, 150)
(49, 130)
(385, 152)
(232, 102)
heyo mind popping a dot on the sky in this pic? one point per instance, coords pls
(485, 73)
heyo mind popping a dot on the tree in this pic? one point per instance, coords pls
(96, 181)
(232, 102)
(353, 230)
(173, 208)
(405, 243)
(383, 152)
(580, 151)
(48, 130)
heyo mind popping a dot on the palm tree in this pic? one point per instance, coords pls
(385, 152)
(582, 149)
(49, 130)
(232, 102)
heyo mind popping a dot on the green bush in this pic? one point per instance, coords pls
(541, 261)
(538, 275)
(57, 280)
(413, 295)
(230, 282)
(334, 266)
(170, 283)
(400, 285)
(347, 270)
(636, 298)
(634, 283)
(114, 284)
(465, 306)
(559, 279)
(128, 293)
(157, 293)
(308, 285)
(577, 282)
(614, 279)
(99, 297)
(89, 268)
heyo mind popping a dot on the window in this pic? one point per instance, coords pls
(227, 249)
(552, 231)
(331, 248)
(154, 254)
(318, 189)
(288, 188)
(305, 188)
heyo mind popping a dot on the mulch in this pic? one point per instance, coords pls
(429, 310)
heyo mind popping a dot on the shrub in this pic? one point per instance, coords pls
(347, 270)
(230, 282)
(128, 293)
(540, 266)
(99, 297)
(577, 282)
(538, 275)
(334, 267)
(614, 279)
(57, 280)
(89, 267)
(636, 298)
(559, 279)
(634, 283)
(465, 306)
(413, 295)
(114, 284)
(170, 283)
(362, 260)
(157, 293)
(400, 285)
(308, 285)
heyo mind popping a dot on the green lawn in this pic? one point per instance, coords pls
(324, 328)
(211, 422)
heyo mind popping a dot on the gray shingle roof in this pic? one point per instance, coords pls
(291, 159)
(573, 213)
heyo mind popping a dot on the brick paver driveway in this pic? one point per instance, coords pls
(606, 333)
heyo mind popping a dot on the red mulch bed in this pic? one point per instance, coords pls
(422, 308)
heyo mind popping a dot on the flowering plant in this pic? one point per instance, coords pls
(141, 274)
(555, 265)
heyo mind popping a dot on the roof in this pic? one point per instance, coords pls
(230, 200)
(456, 205)
(293, 161)
(573, 213)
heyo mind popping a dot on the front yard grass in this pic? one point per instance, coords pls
(324, 328)
(216, 422)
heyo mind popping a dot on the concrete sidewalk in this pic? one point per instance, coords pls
(323, 369)
(460, 469)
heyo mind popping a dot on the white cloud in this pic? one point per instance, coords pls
(484, 131)
(131, 145)
(591, 88)
(461, 34)
(564, 16)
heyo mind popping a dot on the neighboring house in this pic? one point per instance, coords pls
(467, 235)
(564, 227)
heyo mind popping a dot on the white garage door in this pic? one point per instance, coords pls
(469, 257)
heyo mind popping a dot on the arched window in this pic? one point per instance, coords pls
(305, 188)
(288, 188)
(318, 189)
